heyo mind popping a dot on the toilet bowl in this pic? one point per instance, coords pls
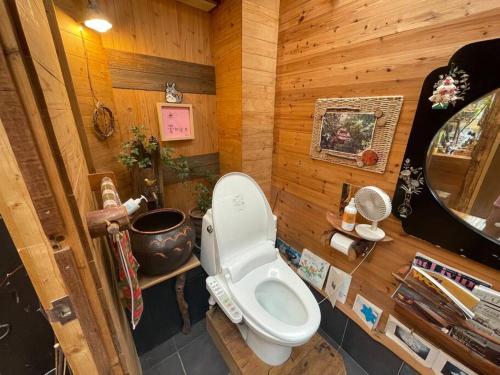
(278, 311)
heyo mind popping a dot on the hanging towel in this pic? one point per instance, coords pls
(131, 294)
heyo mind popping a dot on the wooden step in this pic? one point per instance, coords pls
(315, 357)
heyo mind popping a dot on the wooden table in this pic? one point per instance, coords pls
(180, 282)
(314, 357)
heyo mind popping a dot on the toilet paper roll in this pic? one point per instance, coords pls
(341, 243)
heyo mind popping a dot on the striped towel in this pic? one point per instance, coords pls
(131, 294)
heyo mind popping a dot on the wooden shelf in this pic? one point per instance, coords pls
(336, 222)
(446, 342)
(149, 281)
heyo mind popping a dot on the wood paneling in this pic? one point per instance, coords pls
(157, 30)
(259, 43)
(245, 37)
(358, 48)
(143, 72)
(226, 32)
(164, 28)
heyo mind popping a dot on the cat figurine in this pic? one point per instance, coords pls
(172, 95)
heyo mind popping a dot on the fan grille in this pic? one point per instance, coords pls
(372, 203)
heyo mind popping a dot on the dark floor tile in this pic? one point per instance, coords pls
(197, 330)
(158, 354)
(407, 370)
(201, 357)
(351, 366)
(375, 358)
(169, 366)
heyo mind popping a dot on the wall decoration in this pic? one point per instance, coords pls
(312, 268)
(450, 88)
(445, 365)
(176, 121)
(172, 95)
(419, 348)
(367, 311)
(337, 285)
(355, 132)
(412, 182)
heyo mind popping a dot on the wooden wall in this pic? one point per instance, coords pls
(359, 48)
(245, 40)
(162, 28)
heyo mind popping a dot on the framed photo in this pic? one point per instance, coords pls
(367, 311)
(337, 285)
(312, 268)
(175, 121)
(347, 133)
(445, 365)
(355, 132)
(419, 348)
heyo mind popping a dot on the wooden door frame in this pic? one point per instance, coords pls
(38, 201)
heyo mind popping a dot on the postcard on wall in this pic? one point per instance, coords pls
(445, 365)
(367, 311)
(420, 349)
(312, 268)
(337, 285)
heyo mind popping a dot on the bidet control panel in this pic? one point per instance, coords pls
(224, 300)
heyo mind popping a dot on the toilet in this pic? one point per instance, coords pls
(271, 306)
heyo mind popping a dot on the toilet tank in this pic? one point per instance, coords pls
(209, 258)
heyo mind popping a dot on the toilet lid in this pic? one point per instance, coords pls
(243, 220)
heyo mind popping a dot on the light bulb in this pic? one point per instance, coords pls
(98, 24)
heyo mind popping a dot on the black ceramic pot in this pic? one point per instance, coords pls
(162, 240)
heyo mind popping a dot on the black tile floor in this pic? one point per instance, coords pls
(196, 354)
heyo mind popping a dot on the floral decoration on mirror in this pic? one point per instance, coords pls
(450, 88)
(413, 180)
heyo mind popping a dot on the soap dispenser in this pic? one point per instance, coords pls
(133, 205)
(349, 217)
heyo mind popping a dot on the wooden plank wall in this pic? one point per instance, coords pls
(259, 42)
(356, 48)
(154, 28)
(170, 30)
(245, 37)
(226, 32)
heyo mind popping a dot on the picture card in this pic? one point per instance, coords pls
(367, 311)
(419, 348)
(337, 285)
(312, 268)
(445, 365)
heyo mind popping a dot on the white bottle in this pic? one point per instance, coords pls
(349, 217)
(133, 205)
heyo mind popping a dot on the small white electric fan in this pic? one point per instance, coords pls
(375, 205)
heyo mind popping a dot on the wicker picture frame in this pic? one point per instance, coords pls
(385, 111)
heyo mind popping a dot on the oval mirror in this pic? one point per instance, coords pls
(463, 165)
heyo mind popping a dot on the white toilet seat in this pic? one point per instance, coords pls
(292, 331)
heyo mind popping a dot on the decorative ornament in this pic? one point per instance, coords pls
(172, 95)
(413, 181)
(104, 121)
(450, 88)
(369, 157)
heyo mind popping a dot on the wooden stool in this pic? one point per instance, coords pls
(313, 358)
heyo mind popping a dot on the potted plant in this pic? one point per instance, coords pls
(203, 191)
(142, 156)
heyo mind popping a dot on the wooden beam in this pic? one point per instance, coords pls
(17, 127)
(143, 72)
(204, 5)
(199, 166)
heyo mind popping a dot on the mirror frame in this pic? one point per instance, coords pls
(429, 219)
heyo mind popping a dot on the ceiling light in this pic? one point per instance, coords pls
(95, 19)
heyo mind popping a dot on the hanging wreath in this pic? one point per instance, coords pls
(104, 121)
